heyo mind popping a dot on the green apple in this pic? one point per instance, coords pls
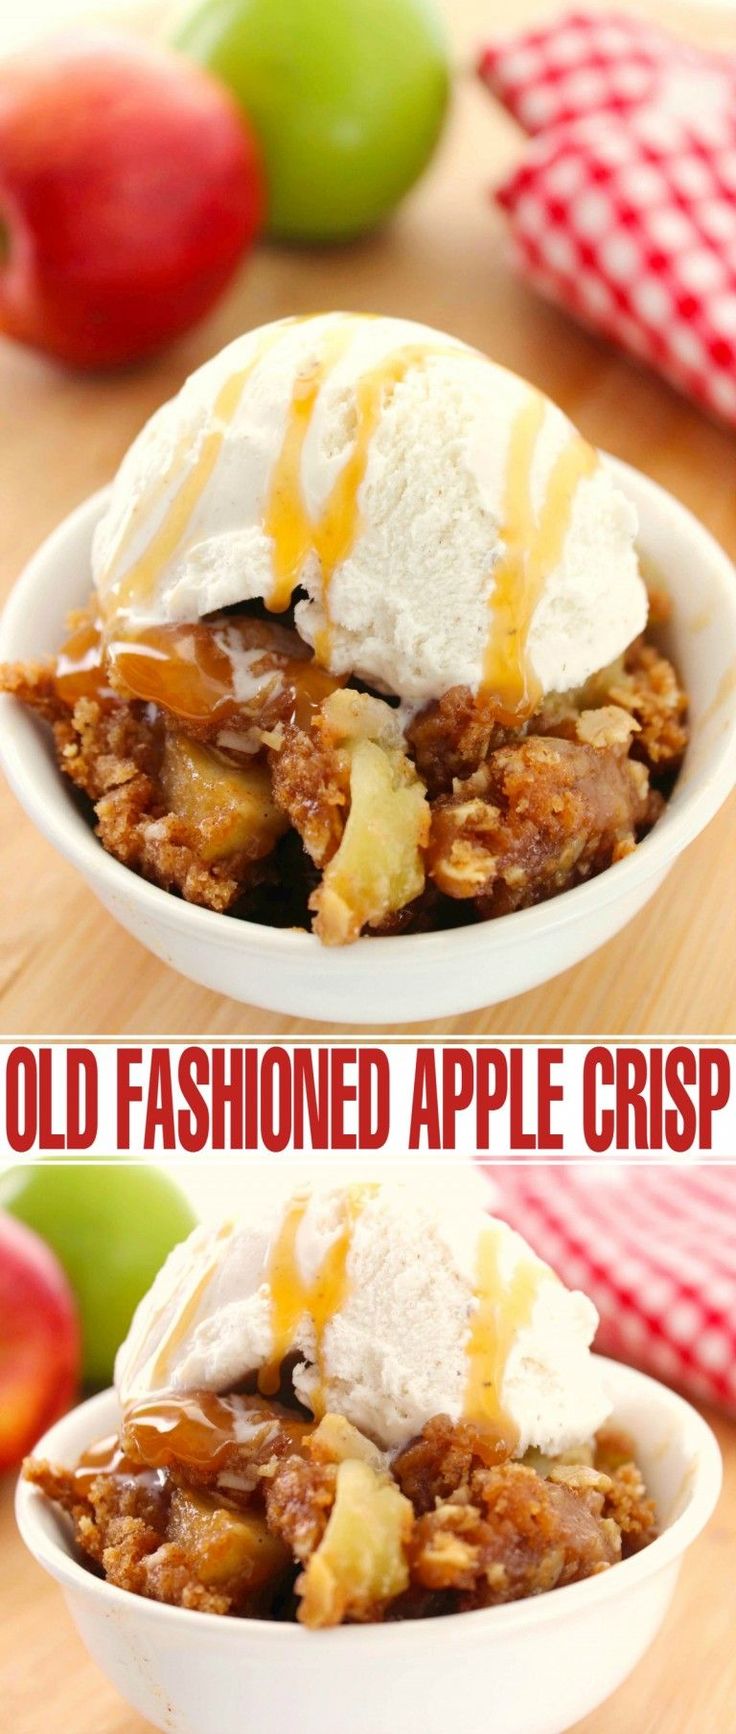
(347, 98)
(111, 1229)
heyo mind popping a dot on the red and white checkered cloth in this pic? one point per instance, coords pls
(654, 1248)
(623, 208)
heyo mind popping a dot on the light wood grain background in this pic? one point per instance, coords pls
(685, 1685)
(65, 966)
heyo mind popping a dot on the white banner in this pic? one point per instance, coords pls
(527, 1100)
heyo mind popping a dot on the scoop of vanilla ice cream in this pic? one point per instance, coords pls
(386, 470)
(396, 1307)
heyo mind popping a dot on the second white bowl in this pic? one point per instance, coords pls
(533, 1667)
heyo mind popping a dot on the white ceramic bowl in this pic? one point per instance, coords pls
(408, 977)
(534, 1667)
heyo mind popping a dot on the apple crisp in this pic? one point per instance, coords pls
(222, 762)
(244, 1506)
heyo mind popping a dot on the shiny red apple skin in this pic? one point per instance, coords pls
(130, 188)
(40, 1341)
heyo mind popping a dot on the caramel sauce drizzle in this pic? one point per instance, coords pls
(534, 545)
(200, 1429)
(503, 1309)
(135, 585)
(294, 534)
(107, 1457)
(189, 669)
(292, 1296)
(79, 670)
(140, 581)
(287, 521)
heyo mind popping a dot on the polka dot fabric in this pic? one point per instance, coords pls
(656, 1252)
(623, 208)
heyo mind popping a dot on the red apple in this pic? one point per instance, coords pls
(130, 186)
(40, 1343)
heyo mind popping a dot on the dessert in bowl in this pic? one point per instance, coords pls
(383, 1417)
(371, 654)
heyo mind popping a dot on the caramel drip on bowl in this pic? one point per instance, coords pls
(503, 1309)
(534, 543)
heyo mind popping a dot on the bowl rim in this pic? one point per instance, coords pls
(702, 1481)
(66, 828)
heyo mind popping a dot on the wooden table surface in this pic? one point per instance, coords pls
(66, 966)
(685, 1685)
